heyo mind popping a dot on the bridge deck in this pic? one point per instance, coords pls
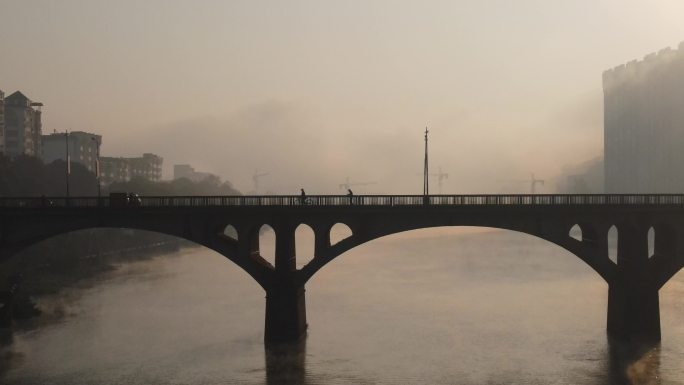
(356, 200)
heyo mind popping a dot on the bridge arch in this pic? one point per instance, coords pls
(305, 244)
(595, 260)
(215, 240)
(651, 242)
(575, 232)
(339, 231)
(425, 280)
(263, 242)
(668, 257)
(613, 237)
(231, 232)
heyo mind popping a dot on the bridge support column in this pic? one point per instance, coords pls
(285, 313)
(633, 303)
(285, 298)
(633, 314)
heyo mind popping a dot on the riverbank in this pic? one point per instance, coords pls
(72, 259)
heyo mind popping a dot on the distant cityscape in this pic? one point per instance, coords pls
(21, 134)
(643, 135)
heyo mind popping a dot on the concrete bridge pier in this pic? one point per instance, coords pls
(285, 298)
(633, 303)
(285, 313)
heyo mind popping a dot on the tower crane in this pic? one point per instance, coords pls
(347, 184)
(255, 179)
(532, 181)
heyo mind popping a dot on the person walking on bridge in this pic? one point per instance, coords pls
(302, 197)
(350, 194)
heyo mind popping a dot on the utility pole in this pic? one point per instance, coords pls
(97, 169)
(68, 164)
(440, 178)
(426, 181)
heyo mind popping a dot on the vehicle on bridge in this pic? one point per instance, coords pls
(122, 199)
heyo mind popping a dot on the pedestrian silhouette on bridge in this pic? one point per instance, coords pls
(350, 194)
(303, 197)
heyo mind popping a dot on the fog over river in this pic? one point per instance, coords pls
(444, 306)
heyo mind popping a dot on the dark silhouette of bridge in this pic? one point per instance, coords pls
(634, 281)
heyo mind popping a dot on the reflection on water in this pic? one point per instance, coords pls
(627, 364)
(286, 363)
(634, 364)
(481, 308)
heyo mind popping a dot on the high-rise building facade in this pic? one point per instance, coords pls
(2, 123)
(149, 167)
(83, 148)
(114, 170)
(23, 127)
(644, 124)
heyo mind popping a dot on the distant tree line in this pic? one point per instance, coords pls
(211, 185)
(29, 176)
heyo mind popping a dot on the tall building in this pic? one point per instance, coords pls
(2, 122)
(23, 127)
(83, 148)
(114, 170)
(644, 124)
(149, 167)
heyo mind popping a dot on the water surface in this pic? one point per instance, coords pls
(423, 307)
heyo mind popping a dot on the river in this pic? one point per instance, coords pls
(456, 306)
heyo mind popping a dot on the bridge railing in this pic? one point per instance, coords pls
(345, 200)
(33, 202)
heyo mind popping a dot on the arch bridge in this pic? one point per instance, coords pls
(633, 280)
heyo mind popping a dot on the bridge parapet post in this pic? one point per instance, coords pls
(322, 239)
(285, 295)
(633, 303)
(285, 249)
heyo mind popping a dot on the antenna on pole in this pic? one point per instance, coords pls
(426, 180)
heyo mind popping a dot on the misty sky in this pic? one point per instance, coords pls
(315, 91)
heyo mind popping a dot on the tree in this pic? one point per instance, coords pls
(27, 176)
